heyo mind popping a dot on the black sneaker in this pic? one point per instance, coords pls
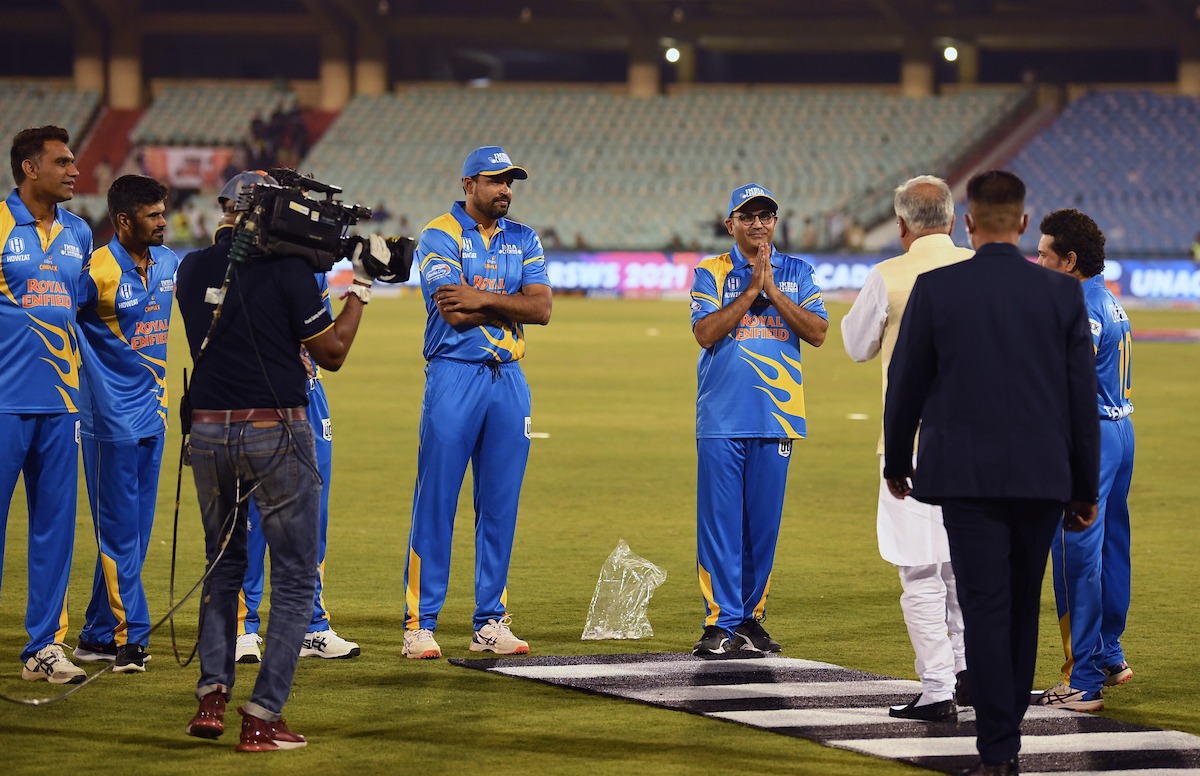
(751, 635)
(87, 652)
(713, 642)
(130, 657)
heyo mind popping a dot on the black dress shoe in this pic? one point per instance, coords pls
(962, 691)
(930, 712)
(999, 769)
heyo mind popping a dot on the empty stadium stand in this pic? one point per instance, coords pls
(1129, 159)
(628, 173)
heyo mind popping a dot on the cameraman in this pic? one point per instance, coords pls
(250, 435)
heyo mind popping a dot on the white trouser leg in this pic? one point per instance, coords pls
(924, 603)
(954, 618)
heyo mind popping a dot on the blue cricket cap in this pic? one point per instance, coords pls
(491, 160)
(743, 195)
(243, 180)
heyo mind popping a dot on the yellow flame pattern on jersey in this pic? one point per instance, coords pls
(64, 357)
(785, 389)
(160, 379)
(512, 341)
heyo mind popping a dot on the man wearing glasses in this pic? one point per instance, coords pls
(750, 309)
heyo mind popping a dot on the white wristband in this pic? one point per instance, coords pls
(362, 292)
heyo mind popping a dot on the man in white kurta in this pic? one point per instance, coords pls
(911, 534)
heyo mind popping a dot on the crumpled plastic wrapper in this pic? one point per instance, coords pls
(618, 608)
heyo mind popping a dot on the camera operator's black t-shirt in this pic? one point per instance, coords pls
(271, 307)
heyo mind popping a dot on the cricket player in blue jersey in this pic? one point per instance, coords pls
(42, 251)
(483, 277)
(751, 307)
(1092, 567)
(321, 640)
(124, 314)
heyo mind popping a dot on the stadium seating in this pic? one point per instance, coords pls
(199, 114)
(1130, 160)
(32, 105)
(629, 173)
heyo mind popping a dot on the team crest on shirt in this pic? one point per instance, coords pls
(327, 429)
(785, 448)
(166, 286)
(789, 286)
(71, 251)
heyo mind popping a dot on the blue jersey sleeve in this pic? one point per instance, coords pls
(809, 296)
(705, 296)
(439, 260)
(534, 270)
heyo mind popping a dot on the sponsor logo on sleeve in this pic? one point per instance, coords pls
(437, 272)
(1096, 326)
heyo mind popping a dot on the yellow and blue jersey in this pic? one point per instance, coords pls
(453, 250)
(39, 291)
(750, 382)
(1113, 342)
(124, 322)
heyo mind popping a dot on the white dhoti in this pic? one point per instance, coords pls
(913, 538)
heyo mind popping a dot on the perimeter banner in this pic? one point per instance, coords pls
(620, 273)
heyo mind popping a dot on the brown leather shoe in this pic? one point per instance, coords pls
(209, 721)
(258, 735)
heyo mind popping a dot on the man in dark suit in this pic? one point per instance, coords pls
(995, 362)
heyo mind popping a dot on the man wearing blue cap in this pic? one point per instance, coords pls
(750, 309)
(483, 277)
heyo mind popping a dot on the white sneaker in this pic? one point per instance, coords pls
(51, 663)
(248, 650)
(327, 644)
(420, 645)
(1064, 696)
(495, 636)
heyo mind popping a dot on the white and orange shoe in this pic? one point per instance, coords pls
(496, 636)
(420, 645)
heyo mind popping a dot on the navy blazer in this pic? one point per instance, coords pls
(995, 362)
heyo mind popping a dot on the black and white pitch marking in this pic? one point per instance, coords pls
(847, 709)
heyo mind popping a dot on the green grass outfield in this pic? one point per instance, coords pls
(614, 387)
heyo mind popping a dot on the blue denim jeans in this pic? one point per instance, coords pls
(228, 460)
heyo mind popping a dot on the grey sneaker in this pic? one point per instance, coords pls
(51, 663)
